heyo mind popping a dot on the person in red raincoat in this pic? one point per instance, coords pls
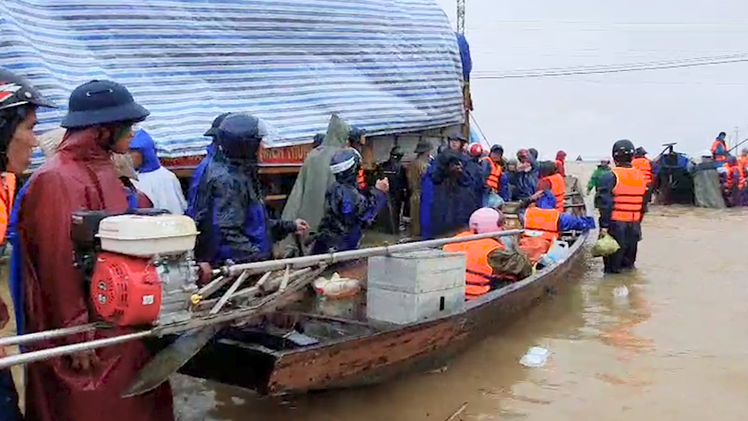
(81, 175)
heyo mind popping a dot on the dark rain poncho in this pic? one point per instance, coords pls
(446, 201)
(231, 216)
(347, 213)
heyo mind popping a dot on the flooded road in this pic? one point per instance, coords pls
(672, 348)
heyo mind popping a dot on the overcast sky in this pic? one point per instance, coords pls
(584, 114)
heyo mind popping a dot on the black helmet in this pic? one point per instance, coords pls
(240, 136)
(345, 164)
(497, 149)
(213, 130)
(102, 102)
(354, 136)
(623, 150)
(16, 91)
(318, 139)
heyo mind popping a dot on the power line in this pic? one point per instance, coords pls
(628, 65)
(612, 69)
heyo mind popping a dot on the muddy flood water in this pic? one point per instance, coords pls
(674, 347)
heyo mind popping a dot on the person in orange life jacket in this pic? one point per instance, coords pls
(733, 181)
(18, 103)
(719, 148)
(541, 217)
(560, 163)
(552, 181)
(497, 181)
(480, 277)
(357, 140)
(643, 164)
(621, 194)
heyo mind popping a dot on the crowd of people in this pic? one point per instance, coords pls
(100, 161)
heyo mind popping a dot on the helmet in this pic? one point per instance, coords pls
(16, 94)
(458, 136)
(102, 102)
(16, 91)
(623, 150)
(240, 136)
(486, 220)
(497, 149)
(213, 130)
(354, 136)
(344, 162)
(476, 150)
(318, 139)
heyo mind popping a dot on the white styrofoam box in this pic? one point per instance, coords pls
(418, 271)
(402, 308)
(147, 235)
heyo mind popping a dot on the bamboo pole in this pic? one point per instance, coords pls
(344, 256)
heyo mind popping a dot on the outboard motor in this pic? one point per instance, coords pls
(673, 181)
(139, 267)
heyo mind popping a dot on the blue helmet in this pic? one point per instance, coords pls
(345, 164)
(240, 136)
(102, 102)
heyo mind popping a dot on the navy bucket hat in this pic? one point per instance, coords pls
(102, 102)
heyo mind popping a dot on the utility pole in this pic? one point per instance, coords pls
(461, 17)
(467, 101)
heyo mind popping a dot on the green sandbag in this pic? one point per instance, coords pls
(605, 246)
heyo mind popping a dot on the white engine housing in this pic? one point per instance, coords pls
(148, 235)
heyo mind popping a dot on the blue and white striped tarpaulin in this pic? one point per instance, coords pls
(385, 65)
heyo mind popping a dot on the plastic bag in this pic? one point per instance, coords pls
(605, 246)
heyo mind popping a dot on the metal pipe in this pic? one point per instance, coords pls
(45, 354)
(48, 334)
(344, 256)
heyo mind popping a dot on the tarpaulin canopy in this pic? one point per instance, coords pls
(384, 65)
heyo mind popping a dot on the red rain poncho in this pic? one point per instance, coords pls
(560, 164)
(80, 176)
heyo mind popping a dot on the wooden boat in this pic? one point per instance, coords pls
(297, 351)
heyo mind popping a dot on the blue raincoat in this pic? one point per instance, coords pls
(197, 175)
(446, 202)
(347, 213)
(231, 216)
(566, 222)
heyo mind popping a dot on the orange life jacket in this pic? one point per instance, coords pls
(558, 188)
(360, 179)
(730, 175)
(628, 195)
(479, 273)
(7, 193)
(715, 144)
(643, 165)
(544, 221)
(494, 179)
(743, 160)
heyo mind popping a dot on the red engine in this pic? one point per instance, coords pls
(125, 290)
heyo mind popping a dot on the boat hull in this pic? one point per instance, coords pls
(382, 355)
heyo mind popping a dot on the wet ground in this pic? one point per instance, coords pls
(673, 347)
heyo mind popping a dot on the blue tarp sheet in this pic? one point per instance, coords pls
(385, 65)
